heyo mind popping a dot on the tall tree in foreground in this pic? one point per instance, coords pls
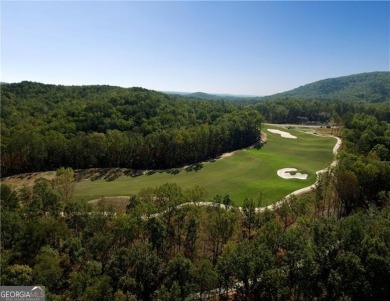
(64, 183)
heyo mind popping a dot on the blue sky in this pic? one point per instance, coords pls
(254, 48)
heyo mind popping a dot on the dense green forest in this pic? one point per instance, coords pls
(333, 244)
(371, 87)
(295, 110)
(44, 127)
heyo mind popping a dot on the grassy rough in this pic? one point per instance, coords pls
(244, 174)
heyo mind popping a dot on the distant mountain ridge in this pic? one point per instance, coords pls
(371, 87)
(208, 96)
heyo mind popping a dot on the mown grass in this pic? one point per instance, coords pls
(244, 174)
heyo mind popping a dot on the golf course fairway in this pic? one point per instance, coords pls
(245, 173)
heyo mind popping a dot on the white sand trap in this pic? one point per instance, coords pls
(282, 133)
(285, 174)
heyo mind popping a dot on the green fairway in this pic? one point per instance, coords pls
(244, 174)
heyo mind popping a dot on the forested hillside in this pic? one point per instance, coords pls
(333, 244)
(45, 127)
(370, 87)
(295, 110)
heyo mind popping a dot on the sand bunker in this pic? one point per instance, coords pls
(285, 174)
(282, 133)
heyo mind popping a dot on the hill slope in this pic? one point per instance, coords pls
(44, 127)
(371, 87)
(224, 97)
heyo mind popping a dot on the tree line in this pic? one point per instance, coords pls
(362, 176)
(190, 253)
(332, 244)
(294, 110)
(45, 127)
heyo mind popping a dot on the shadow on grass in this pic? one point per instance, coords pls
(173, 171)
(111, 174)
(259, 144)
(194, 167)
(107, 174)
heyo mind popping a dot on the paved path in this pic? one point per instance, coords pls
(270, 207)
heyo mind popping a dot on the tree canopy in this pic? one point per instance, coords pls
(45, 127)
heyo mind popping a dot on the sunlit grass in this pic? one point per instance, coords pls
(245, 174)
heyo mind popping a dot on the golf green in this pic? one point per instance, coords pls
(246, 173)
